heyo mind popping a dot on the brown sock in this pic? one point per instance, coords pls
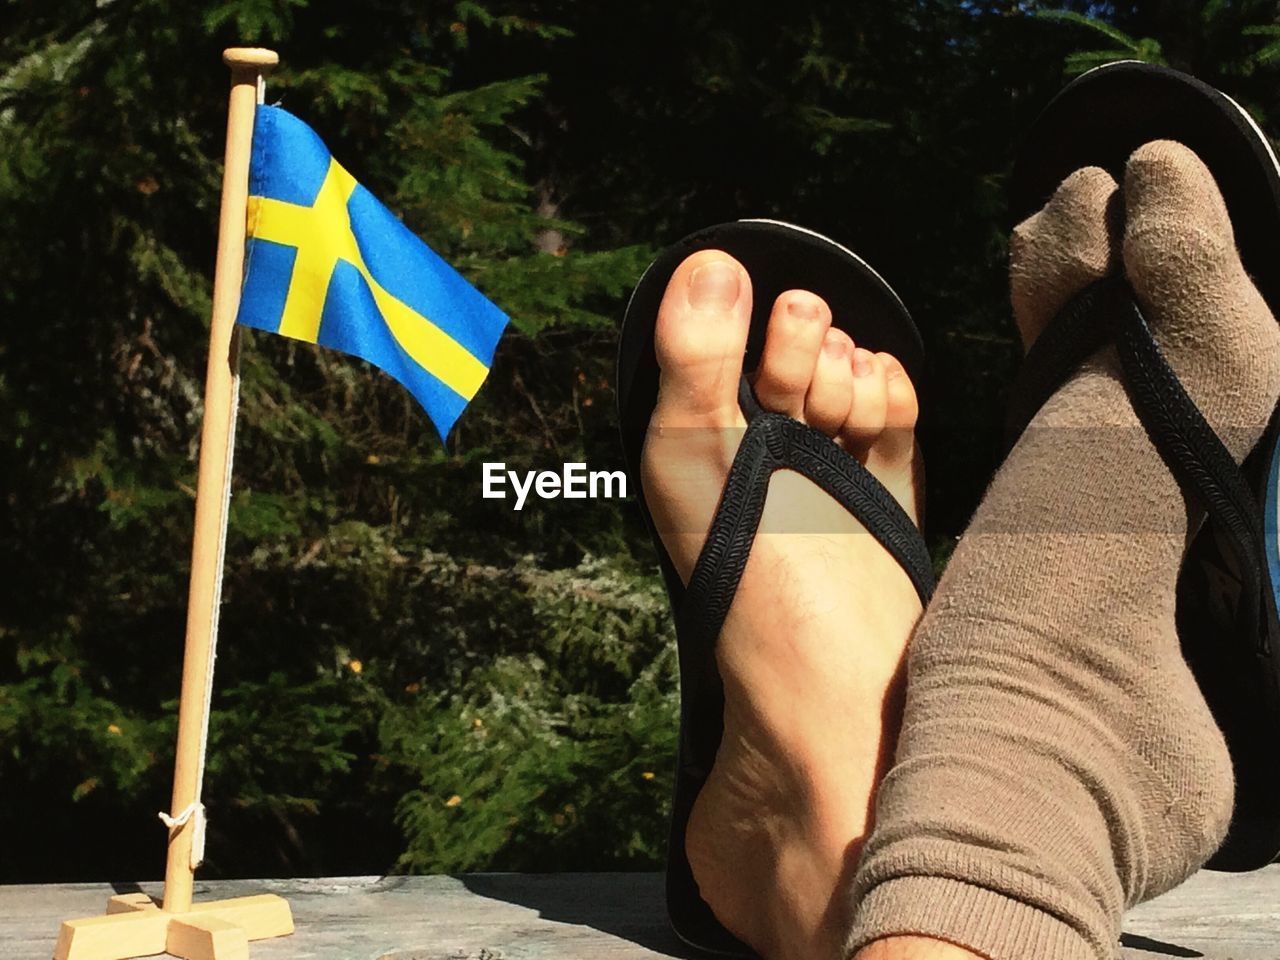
(1067, 245)
(1057, 762)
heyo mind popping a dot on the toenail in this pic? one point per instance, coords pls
(892, 369)
(862, 362)
(714, 285)
(834, 345)
(804, 308)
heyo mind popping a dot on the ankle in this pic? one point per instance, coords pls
(914, 948)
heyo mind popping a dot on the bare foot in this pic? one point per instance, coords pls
(812, 650)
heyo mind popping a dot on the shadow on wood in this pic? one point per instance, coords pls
(1157, 947)
(625, 908)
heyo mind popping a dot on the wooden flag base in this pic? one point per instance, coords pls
(136, 926)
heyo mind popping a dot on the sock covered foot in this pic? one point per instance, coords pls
(1057, 762)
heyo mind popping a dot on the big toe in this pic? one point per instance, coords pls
(1064, 247)
(1181, 260)
(1177, 231)
(700, 338)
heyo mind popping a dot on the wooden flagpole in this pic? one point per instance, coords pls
(134, 925)
(217, 441)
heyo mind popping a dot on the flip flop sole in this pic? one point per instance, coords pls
(778, 257)
(1099, 120)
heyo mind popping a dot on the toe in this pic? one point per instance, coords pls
(793, 340)
(897, 443)
(866, 419)
(1180, 258)
(1166, 184)
(1057, 252)
(1178, 235)
(880, 430)
(700, 338)
(830, 396)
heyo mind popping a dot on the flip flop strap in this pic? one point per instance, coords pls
(774, 442)
(1079, 330)
(1191, 450)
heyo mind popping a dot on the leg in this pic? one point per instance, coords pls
(1057, 762)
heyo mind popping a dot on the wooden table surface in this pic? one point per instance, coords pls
(581, 916)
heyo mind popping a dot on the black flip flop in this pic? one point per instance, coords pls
(778, 257)
(1227, 588)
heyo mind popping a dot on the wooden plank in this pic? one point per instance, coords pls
(580, 916)
(1220, 916)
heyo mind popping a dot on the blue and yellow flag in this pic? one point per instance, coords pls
(329, 264)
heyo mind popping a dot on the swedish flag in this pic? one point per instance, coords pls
(329, 264)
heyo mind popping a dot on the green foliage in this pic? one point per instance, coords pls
(1126, 47)
(1271, 51)
(109, 181)
(391, 641)
(1206, 39)
(557, 757)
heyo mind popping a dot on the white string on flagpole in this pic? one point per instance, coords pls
(194, 813)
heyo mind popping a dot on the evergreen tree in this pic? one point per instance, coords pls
(410, 675)
(365, 577)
